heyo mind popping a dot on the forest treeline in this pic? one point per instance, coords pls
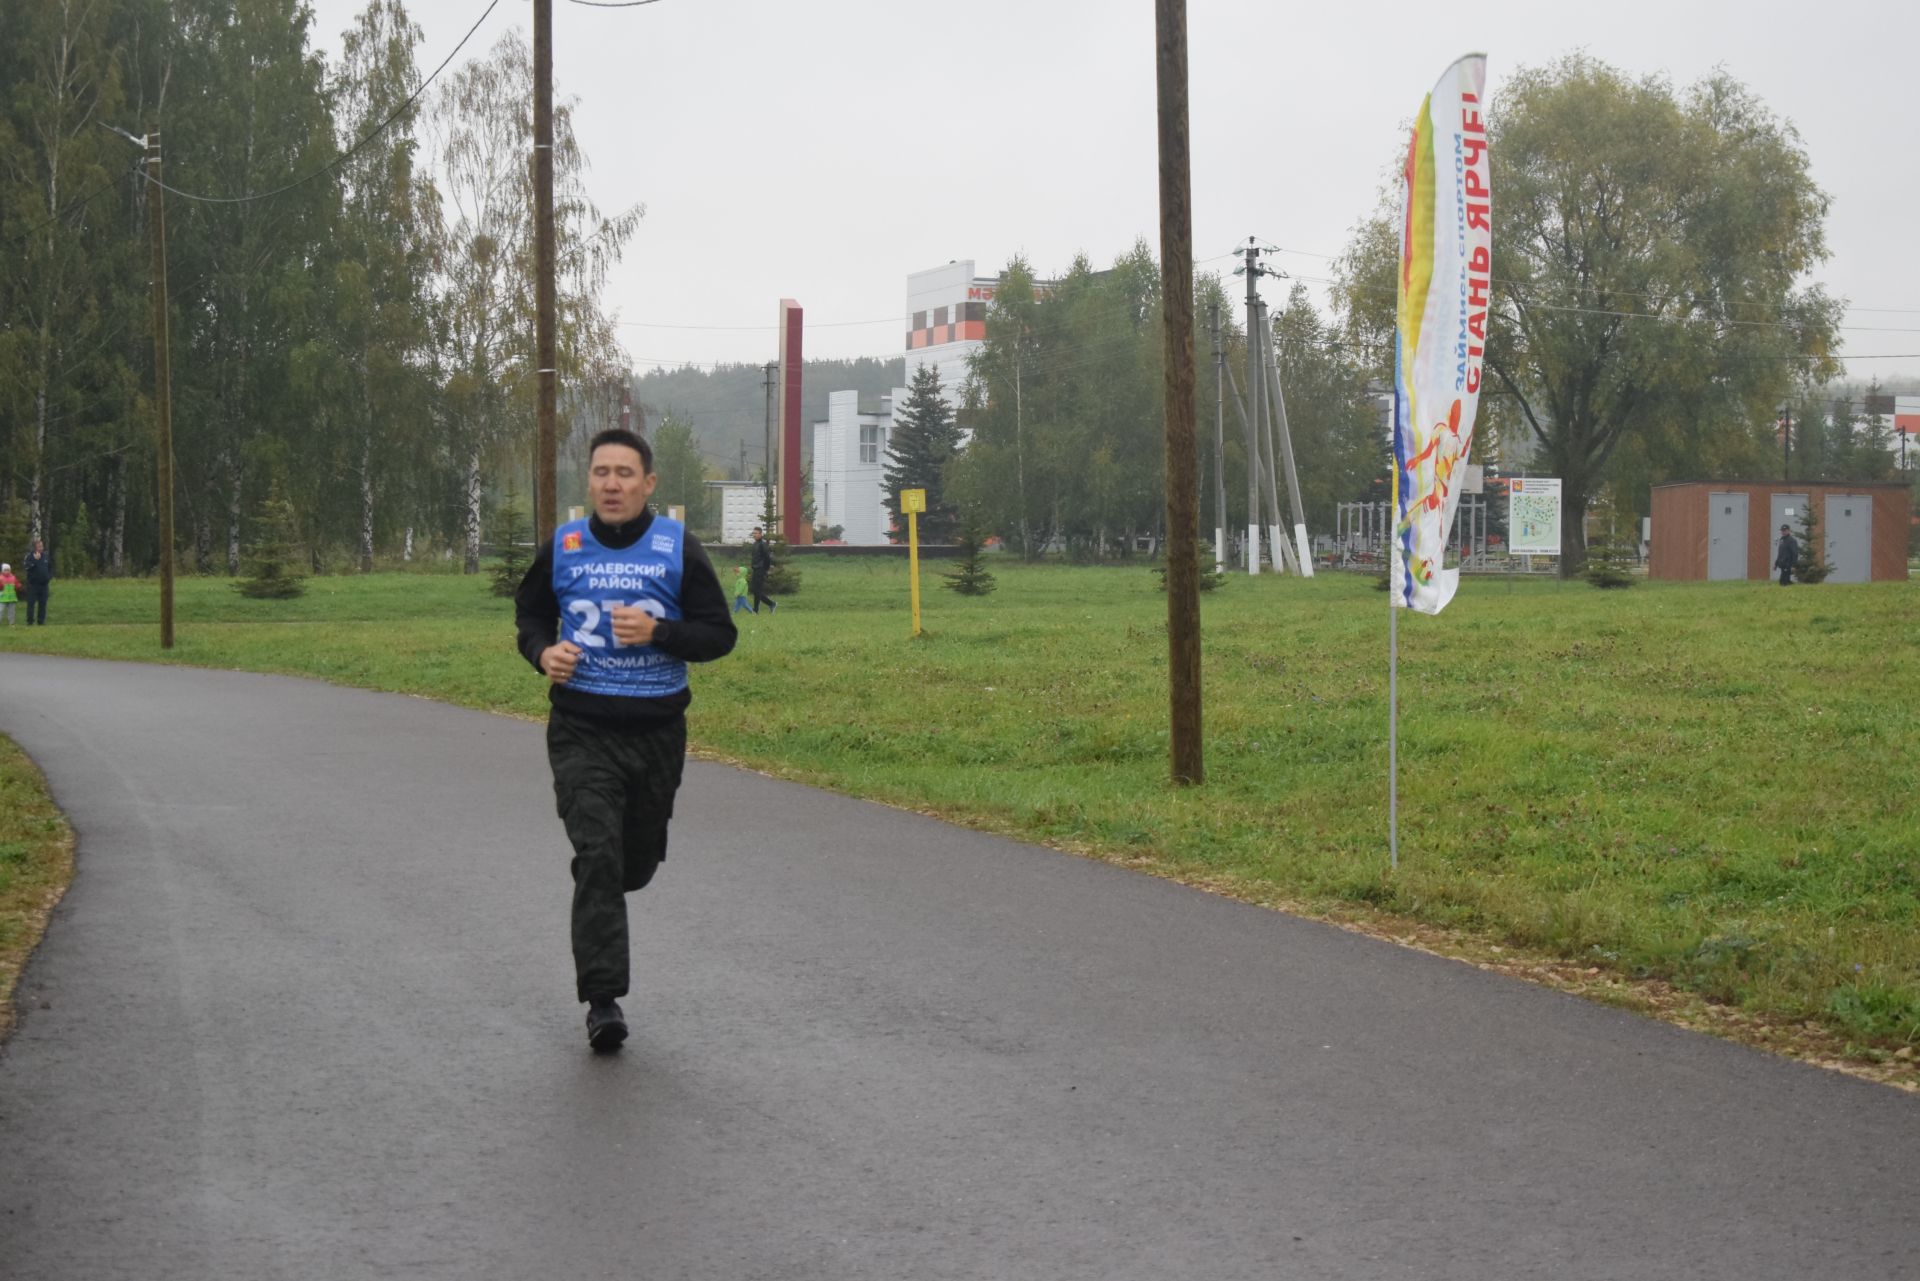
(350, 299)
(349, 270)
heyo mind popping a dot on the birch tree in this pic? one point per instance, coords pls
(482, 129)
(54, 150)
(389, 229)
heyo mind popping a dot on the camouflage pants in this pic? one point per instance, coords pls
(614, 785)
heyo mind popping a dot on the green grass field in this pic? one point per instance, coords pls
(1713, 785)
(36, 862)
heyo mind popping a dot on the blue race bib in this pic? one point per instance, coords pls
(590, 579)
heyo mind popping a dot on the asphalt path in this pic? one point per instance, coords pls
(307, 1012)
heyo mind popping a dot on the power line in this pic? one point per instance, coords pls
(350, 152)
(1320, 280)
(812, 324)
(1629, 315)
(1628, 293)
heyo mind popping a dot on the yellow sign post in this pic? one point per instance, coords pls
(913, 502)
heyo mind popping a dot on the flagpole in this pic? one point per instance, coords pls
(1393, 730)
(1393, 646)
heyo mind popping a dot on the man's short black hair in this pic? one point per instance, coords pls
(621, 436)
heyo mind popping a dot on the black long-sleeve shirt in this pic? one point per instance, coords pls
(703, 632)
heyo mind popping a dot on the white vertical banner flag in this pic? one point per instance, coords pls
(1446, 264)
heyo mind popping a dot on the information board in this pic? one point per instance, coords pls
(1533, 516)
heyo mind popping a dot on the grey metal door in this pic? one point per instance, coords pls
(1850, 537)
(1726, 536)
(1789, 510)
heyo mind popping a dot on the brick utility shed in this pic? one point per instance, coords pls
(1728, 529)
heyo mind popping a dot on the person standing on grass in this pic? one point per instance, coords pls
(39, 582)
(1787, 556)
(740, 591)
(611, 612)
(762, 568)
(9, 593)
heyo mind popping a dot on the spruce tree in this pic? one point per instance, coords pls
(1812, 566)
(14, 534)
(969, 577)
(923, 441)
(76, 546)
(509, 528)
(272, 563)
(782, 578)
(1608, 562)
(1207, 575)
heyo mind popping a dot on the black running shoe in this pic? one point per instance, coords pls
(606, 1026)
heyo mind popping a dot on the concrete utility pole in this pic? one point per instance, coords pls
(766, 385)
(1219, 448)
(1269, 483)
(162, 388)
(1252, 417)
(1786, 442)
(546, 496)
(1303, 554)
(1183, 492)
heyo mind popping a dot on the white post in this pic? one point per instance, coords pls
(1393, 728)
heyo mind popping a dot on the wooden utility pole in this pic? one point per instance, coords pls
(1176, 293)
(162, 388)
(546, 496)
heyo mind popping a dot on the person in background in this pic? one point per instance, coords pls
(740, 601)
(39, 580)
(9, 593)
(762, 568)
(1787, 556)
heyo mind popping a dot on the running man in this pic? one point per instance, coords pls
(612, 611)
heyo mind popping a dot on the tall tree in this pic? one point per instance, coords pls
(381, 322)
(1873, 444)
(1063, 401)
(58, 366)
(1000, 477)
(483, 128)
(1647, 246)
(923, 441)
(247, 126)
(681, 467)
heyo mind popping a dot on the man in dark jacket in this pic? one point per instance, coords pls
(39, 578)
(1787, 556)
(760, 568)
(612, 611)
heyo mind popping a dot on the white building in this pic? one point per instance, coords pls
(947, 322)
(742, 506)
(849, 467)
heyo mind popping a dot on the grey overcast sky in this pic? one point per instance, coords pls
(824, 150)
